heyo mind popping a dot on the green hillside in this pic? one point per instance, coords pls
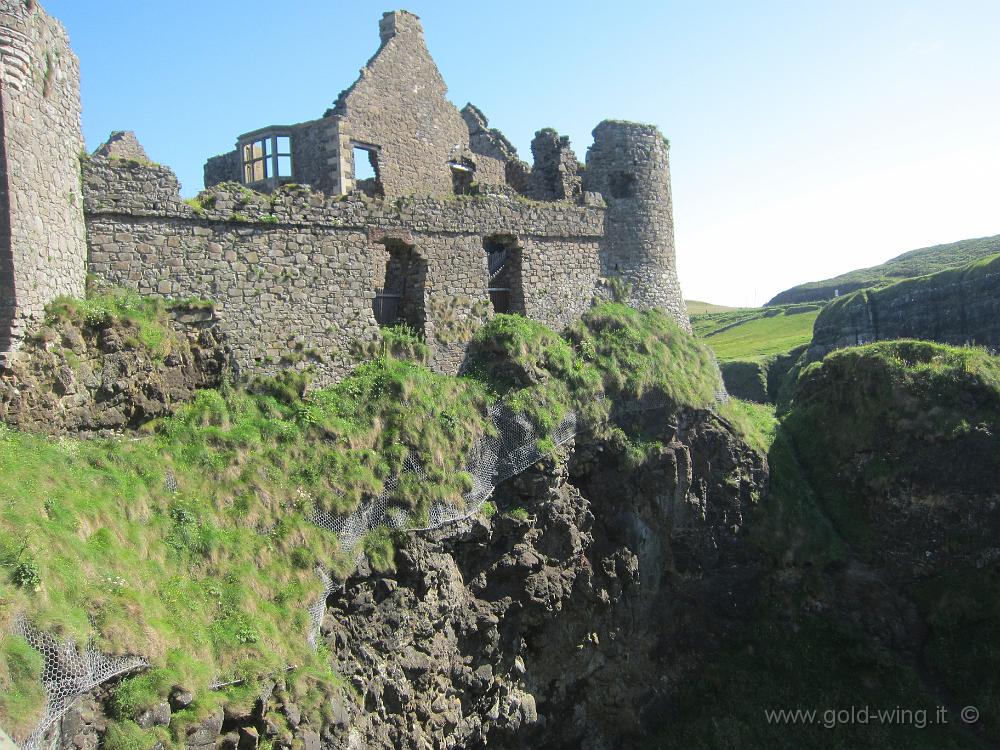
(750, 333)
(696, 307)
(914, 263)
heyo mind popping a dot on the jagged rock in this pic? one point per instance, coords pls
(97, 376)
(206, 733)
(249, 738)
(181, 699)
(157, 716)
(510, 626)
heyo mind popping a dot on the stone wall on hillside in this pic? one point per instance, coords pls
(961, 306)
(296, 274)
(42, 244)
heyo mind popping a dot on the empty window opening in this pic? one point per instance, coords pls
(503, 266)
(622, 184)
(399, 292)
(267, 159)
(367, 177)
(463, 176)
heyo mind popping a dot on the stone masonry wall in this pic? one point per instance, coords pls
(399, 104)
(554, 175)
(629, 164)
(294, 273)
(42, 241)
(223, 168)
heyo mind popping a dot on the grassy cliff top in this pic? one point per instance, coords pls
(917, 412)
(836, 313)
(919, 262)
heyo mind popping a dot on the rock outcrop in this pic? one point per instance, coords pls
(566, 625)
(959, 306)
(565, 619)
(75, 375)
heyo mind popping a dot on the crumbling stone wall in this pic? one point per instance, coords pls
(223, 168)
(122, 144)
(629, 164)
(310, 158)
(399, 104)
(42, 242)
(555, 173)
(294, 273)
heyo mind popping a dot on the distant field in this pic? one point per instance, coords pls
(914, 263)
(749, 333)
(694, 307)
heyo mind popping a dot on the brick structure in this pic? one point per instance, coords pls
(307, 260)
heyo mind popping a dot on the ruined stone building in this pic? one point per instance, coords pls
(306, 257)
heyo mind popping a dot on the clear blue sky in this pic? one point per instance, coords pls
(808, 138)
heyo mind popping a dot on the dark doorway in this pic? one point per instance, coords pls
(503, 265)
(399, 295)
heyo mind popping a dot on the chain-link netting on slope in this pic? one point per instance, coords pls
(505, 451)
(68, 673)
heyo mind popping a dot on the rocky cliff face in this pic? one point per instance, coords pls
(567, 627)
(960, 306)
(99, 373)
(565, 619)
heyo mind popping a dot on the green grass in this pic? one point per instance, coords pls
(192, 545)
(853, 309)
(755, 422)
(148, 317)
(695, 307)
(614, 351)
(907, 408)
(920, 262)
(21, 694)
(768, 332)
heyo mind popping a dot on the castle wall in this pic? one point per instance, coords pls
(223, 168)
(42, 242)
(629, 164)
(295, 273)
(400, 105)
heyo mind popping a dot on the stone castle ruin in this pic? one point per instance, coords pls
(306, 257)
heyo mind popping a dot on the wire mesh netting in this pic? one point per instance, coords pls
(67, 674)
(507, 449)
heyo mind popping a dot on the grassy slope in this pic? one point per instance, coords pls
(752, 333)
(192, 545)
(696, 307)
(914, 263)
(764, 336)
(837, 313)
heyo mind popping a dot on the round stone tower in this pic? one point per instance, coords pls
(629, 164)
